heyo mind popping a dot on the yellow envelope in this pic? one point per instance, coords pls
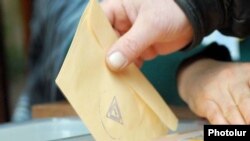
(114, 106)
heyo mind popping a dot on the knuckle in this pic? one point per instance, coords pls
(213, 115)
(131, 47)
(243, 105)
(229, 110)
(212, 112)
(246, 66)
(245, 69)
(206, 96)
(247, 118)
(244, 98)
(160, 27)
(226, 73)
(209, 90)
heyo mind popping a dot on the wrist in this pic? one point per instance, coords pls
(190, 73)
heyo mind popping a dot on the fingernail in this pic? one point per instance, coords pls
(117, 60)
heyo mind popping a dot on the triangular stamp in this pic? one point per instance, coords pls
(114, 112)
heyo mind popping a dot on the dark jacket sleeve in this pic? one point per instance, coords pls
(231, 17)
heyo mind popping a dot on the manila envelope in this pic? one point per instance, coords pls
(120, 106)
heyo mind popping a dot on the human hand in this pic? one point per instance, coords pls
(218, 91)
(147, 28)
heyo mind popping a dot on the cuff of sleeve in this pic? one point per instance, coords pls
(205, 16)
(189, 10)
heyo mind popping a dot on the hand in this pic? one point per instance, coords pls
(218, 91)
(147, 28)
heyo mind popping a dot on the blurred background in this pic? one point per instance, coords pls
(14, 45)
(13, 53)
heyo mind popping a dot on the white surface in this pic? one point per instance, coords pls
(187, 127)
(43, 130)
(59, 128)
(230, 42)
(190, 125)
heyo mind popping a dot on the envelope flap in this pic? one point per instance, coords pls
(132, 76)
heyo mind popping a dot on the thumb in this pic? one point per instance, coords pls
(130, 45)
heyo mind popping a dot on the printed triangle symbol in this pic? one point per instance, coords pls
(114, 112)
